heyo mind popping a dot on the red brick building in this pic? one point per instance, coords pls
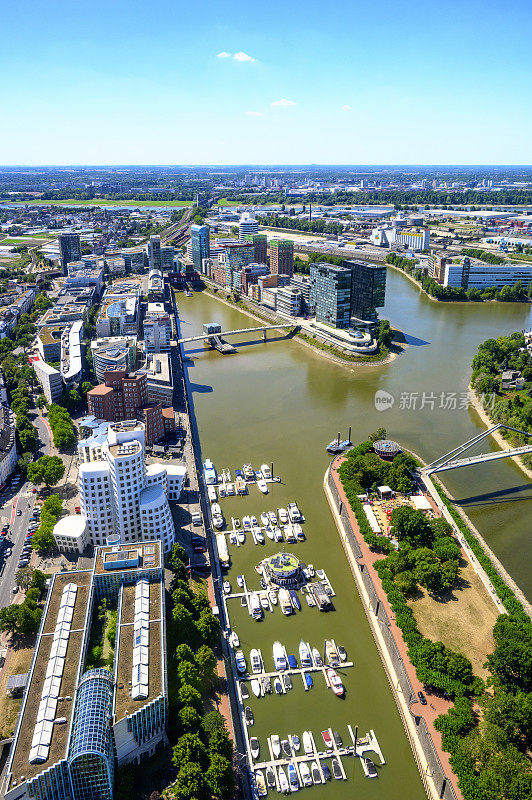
(124, 395)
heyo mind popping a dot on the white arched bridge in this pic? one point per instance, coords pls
(450, 460)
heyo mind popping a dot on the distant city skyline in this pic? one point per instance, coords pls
(130, 83)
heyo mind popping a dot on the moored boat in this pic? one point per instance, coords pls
(240, 580)
(256, 661)
(273, 597)
(308, 680)
(218, 521)
(265, 603)
(316, 774)
(338, 740)
(293, 512)
(246, 522)
(294, 599)
(295, 743)
(331, 655)
(270, 777)
(234, 641)
(337, 770)
(254, 746)
(255, 687)
(285, 747)
(272, 517)
(266, 471)
(276, 745)
(283, 781)
(278, 686)
(304, 654)
(307, 743)
(369, 768)
(305, 774)
(211, 494)
(227, 587)
(248, 716)
(326, 771)
(335, 682)
(244, 691)
(285, 601)
(263, 486)
(255, 606)
(287, 683)
(240, 661)
(278, 534)
(327, 738)
(342, 653)
(264, 518)
(292, 777)
(318, 662)
(259, 536)
(270, 532)
(282, 513)
(279, 657)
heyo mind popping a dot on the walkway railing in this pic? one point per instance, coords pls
(434, 765)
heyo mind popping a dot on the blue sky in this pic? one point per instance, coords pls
(134, 82)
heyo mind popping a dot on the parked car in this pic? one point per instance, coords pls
(14, 590)
(422, 698)
(19, 512)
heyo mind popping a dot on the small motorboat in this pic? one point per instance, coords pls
(295, 600)
(263, 583)
(292, 662)
(230, 489)
(257, 474)
(255, 687)
(369, 768)
(249, 475)
(248, 716)
(243, 601)
(244, 691)
(233, 539)
(234, 641)
(342, 653)
(320, 574)
(270, 533)
(278, 535)
(270, 777)
(238, 474)
(278, 686)
(298, 530)
(255, 606)
(311, 570)
(307, 743)
(276, 745)
(273, 597)
(241, 537)
(240, 661)
(287, 683)
(316, 774)
(305, 774)
(337, 771)
(272, 517)
(335, 682)
(338, 740)
(215, 509)
(246, 522)
(294, 742)
(292, 777)
(254, 521)
(267, 684)
(265, 603)
(211, 494)
(240, 580)
(265, 471)
(236, 523)
(316, 657)
(304, 654)
(289, 534)
(326, 771)
(227, 587)
(283, 781)
(279, 657)
(262, 791)
(264, 518)
(259, 536)
(308, 680)
(254, 747)
(263, 486)
(331, 654)
(256, 661)
(218, 521)
(310, 600)
(293, 512)
(327, 738)
(285, 747)
(283, 515)
(259, 568)
(222, 490)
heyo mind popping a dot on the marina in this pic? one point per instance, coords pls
(295, 394)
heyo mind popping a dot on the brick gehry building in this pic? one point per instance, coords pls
(123, 396)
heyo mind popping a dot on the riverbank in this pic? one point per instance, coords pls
(326, 351)
(432, 761)
(499, 438)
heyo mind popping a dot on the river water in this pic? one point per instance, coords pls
(281, 402)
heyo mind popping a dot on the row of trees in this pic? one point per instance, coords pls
(488, 730)
(61, 425)
(312, 226)
(482, 255)
(43, 538)
(23, 619)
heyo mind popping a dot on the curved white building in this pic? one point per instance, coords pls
(155, 515)
(126, 464)
(95, 491)
(248, 225)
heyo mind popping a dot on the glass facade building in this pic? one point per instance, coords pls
(330, 294)
(199, 240)
(368, 289)
(91, 757)
(69, 249)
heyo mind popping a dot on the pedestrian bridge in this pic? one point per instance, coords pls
(262, 328)
(451, 461)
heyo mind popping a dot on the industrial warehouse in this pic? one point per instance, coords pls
(77, 723)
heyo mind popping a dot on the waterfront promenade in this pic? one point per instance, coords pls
(432, 760)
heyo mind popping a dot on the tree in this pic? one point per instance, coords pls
(184, 653)
(186, 629)
(188, 696)
(189, 675)
(189, 747)
(41, 401)
(43, 540)
(38, 580)
(9, 616)
(206, 661)
(189, 718)
(29, 618)
(411, 526)
(190, 783)
(47, 469)
(23, 577)
(221, 777)
(52, 505)
(209, 627)
(511, 661)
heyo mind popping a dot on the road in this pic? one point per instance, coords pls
(13, 500)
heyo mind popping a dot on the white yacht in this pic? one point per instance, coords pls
(263, 486)
(211, 494)
(283, 515)
(266, 471)
(255, 606)
(279, 657)
(256, 661)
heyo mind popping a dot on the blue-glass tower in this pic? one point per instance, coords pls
(199, 239)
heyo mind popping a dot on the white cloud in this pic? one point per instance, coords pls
(223, 54)
(240, 56)
(254, 113)
(346, 108)
(284, 103)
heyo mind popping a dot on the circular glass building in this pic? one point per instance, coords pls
(386, 448)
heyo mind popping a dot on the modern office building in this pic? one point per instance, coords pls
(158, 371)
(471, 274)
(49, 342)
(157, 329)
(155, 286)
(8, 447)
(368, 289)
(50, 380)
(78, 724)
(330, 294)
(115, 495)
(118, 316)
(135, 259)
(415, 239)
(154, 252)
(113, 353)
(282, 257)
(167, 258)
(69, 249)
(288, 301)
(247, 226)
(302, 284)
(260, 244)
(200, 247)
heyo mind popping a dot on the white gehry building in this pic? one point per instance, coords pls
(119, 494)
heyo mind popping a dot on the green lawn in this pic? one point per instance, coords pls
(94, 202)
(24, 240)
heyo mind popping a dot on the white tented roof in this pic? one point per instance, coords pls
(141, 652)
(420, 502)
